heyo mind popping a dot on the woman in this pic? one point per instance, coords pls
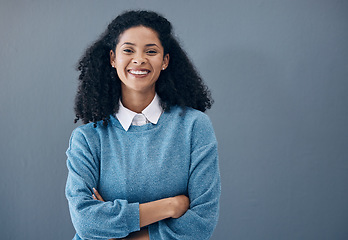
(145, 164)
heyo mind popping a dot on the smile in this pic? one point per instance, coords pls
(138, 72)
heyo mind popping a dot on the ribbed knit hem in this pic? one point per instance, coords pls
(133, 219)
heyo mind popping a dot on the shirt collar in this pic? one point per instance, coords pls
(152, 113)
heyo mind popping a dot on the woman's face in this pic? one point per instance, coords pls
(139, 59)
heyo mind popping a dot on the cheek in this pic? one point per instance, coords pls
(158, 63)
(121, 64)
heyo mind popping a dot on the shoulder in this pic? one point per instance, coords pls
(188, 114)
(191, 118)
(200, 120)
(198, 116)
(84, 130)
(88, 133)
(200, 128)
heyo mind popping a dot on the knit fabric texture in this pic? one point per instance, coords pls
(178, 155)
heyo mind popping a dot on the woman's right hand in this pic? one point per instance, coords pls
(180, 204)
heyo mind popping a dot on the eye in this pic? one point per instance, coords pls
(151, 52)
(127, 51)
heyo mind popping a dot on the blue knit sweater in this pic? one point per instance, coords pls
(176, 156)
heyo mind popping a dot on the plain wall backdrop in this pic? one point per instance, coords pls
(277, 71)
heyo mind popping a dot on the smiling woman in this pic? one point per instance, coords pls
(145, 164)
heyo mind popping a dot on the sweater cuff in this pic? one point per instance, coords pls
(133, 219)
(153, 231)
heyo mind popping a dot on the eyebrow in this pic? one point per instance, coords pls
(147, 45)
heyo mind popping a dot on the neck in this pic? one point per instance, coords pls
(135, 101)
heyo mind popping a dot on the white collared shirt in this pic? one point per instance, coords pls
(150, 114)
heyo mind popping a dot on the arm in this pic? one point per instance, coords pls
(203, 190)
(155, 211)
(94, 219)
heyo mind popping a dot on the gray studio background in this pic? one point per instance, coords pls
(278, 73)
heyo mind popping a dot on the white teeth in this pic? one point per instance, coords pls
(138, 72)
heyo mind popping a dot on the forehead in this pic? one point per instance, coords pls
(139, 35)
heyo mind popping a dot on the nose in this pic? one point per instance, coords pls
(139, 59)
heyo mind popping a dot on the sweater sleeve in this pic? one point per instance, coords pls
(204, 190)
(91, 218)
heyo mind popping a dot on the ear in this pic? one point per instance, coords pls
(112, 59)
(165, 61)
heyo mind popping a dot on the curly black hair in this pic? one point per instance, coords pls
(100, 88)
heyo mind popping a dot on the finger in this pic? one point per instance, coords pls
(98, 195)
(94, 197)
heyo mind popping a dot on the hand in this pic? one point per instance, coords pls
(181, 204)
(96, 195)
